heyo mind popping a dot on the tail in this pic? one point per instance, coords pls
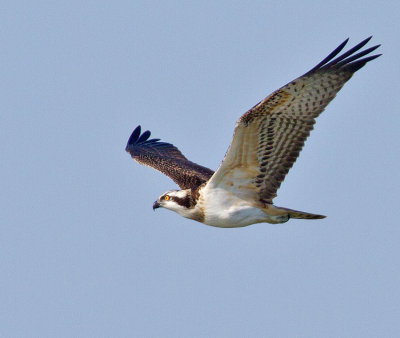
(300, 214)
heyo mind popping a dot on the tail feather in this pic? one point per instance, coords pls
(301, 214)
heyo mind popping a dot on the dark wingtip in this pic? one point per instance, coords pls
(331, 55)
(137, 139)
(356, 65)
(144, 136)
(349, 59)
(134, 137)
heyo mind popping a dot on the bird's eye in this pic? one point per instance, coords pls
(166, 197)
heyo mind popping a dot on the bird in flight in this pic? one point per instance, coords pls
(266, 142)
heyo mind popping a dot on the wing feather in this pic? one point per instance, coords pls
(167, 159)
(269, 137)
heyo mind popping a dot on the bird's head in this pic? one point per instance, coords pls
(176, 200)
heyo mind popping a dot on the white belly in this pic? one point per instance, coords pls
(225, 210)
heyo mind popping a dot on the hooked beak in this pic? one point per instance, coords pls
(156, 205)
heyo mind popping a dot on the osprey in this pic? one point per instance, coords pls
(266, 142)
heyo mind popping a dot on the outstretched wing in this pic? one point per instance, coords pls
(167, 159)
(268, 138)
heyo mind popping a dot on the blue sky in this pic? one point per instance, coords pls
(81, 251)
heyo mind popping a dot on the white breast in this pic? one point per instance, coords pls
(223, 209)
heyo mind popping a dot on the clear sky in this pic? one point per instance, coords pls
(82, 254)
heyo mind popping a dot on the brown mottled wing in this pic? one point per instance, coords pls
(269, 137)
(167, 159)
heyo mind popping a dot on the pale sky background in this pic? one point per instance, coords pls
(82, 254)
